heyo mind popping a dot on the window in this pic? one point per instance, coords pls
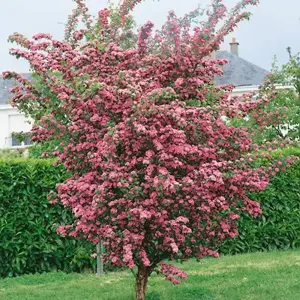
(18, 130)
(20, 139)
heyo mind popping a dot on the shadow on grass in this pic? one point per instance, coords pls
(196, 293)
(153, 296)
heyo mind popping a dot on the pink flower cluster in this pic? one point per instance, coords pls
(172, 273)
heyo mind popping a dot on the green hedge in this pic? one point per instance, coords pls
(279, 225)
(28, 239)
(29, 243)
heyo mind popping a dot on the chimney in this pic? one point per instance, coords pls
(234, 47)
(213, 55)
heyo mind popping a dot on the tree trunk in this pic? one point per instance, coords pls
(141, 282)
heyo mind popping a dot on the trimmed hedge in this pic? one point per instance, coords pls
(279, 225)
(28, 239)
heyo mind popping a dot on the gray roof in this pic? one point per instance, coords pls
(239, 71)
(5, 85)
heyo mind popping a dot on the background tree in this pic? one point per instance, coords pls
(156, 172)
(291, 70)
(279, 118)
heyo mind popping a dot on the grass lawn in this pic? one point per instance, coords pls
(259, 276)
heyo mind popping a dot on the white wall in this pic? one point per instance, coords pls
(239, 91)
(11, 120)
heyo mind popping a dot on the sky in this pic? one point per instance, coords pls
(274, 26)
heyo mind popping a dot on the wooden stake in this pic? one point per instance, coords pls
(99, 249)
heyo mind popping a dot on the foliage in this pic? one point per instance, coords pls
(43, 150)
(28, 239)
(266, 276)
(291, 70)
(281, 117)
(289, 73)
(278, 227)
(11, 153)
(152, 175)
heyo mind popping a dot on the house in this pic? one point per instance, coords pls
(11, 120)
(246, 76)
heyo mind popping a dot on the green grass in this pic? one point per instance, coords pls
(258, 276)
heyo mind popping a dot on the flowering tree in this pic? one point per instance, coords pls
(157, 174)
